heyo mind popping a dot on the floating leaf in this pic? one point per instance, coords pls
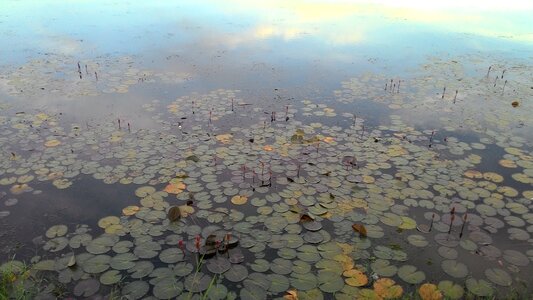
(56, 231)
(175, 188)
(174, 213)
(130, 210)
(479, 287)
(355, 278)
(516, 258)
(135, 290)
(410, 274)
(454, 268)
(498, 276)
(108, 221)
(239, 199)
(291, 295)
(429, 291)
(387, 288)
(167, 288)
(110, 277)
(86, 288)
(451, 290)
(224, 138)
(236, 273)
(360, 228)
(218, 265)
(52, 143)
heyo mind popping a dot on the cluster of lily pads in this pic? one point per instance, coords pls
(64, 75)
(279, 206)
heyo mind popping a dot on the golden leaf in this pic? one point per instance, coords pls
(291, 295)
(355, 278)
(239, 200)
(387, 288)
(52, 143)
(429, 291)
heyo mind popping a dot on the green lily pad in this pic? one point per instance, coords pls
(56, 231)
(448, 253)
(278, 283)
(330, 282)
(97, 264)
(410, 274)
(86, 288)
(183, 269)
(281, 266)
(218, 265)
(236, 273)
(499, 276)
(56, 244)
(197, 282)
(454, 268)
(167, 288)
(479, 287)
(217, 292)
(383, 268)
(135, 290)
(516, 258)
(451, 290)
(123, 261)
(141, 269)
(171, 255)
(110, 277)
(303, 282)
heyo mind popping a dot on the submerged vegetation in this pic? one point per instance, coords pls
(238, 201)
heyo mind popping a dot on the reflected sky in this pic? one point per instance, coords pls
(261, 46)
(93, 28)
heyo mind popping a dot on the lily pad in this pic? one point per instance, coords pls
(410, 274)
(218, 265)
(499, 276)
(86, 288)
(236, 273)
(479, 287)
(454, 268)
(451, 290)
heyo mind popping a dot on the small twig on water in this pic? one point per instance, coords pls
(431, 138)
(488, 72)
(443, 93)
(504, 84)
(455, 97)
(463, 227)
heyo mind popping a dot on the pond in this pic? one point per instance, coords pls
(265, 150)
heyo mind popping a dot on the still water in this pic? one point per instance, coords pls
(254, 150)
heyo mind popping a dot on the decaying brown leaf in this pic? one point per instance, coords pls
(174, 213)
(360, 228)
(291, 295)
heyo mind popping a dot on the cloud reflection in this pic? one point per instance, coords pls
(344, 22)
